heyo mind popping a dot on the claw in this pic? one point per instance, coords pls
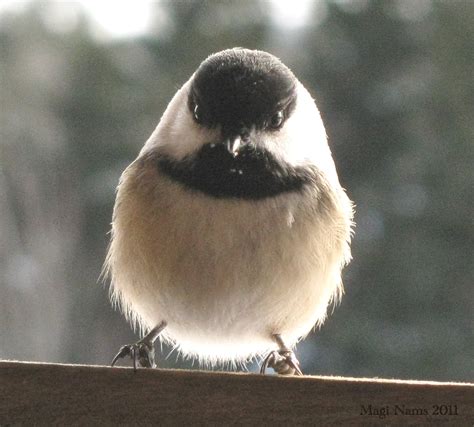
(267, 361)
(133, 354)
(293, 363)
(123, 352)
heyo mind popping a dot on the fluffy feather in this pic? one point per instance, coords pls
(228, 273)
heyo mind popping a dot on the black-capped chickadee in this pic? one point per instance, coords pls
(230, 229)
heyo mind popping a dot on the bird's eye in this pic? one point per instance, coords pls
(197, 114)
(276, 120)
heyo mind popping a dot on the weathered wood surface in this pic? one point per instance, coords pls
(52, 394)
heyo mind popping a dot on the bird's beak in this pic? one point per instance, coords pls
(233, 145)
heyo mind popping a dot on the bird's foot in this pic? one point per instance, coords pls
(142, 353)
(282, 361)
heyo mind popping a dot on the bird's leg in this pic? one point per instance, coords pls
(283, 361)
(142, 351)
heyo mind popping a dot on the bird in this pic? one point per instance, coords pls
(230, 229)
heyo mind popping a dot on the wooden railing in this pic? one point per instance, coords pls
(53, 394)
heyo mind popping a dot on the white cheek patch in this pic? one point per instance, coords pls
(302, 140)
(177, 134)
(185, 136)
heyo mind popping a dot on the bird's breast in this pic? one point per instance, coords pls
(222, 267)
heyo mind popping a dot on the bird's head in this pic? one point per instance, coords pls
(242, 126)
(241, 93)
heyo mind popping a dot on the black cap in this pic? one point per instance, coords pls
(239, 88)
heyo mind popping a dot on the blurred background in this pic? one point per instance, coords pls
(83, 84)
